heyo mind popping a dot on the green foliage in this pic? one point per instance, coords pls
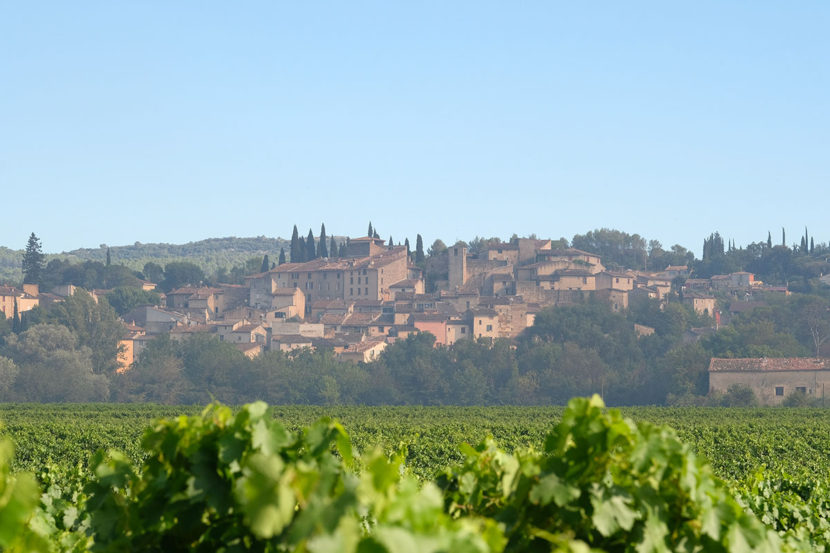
(225, 481)
(18, 499)
(607, 482)
(53, 367)
(33, 260)
(124, 298)
(245, 483)
(617, 249)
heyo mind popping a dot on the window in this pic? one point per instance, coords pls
(358, 291)
(463, 330)
(584, 280)
(489, 328)
(351, 280)
(351, 291)
(802, 389)
(366, 291)
(779, 390)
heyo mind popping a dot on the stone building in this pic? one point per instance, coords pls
(772, 379)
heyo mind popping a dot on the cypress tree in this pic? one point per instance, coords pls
(419, 250)
(769, 240)
(342, 250)
(333, 248)
(301, 251)
(16, 319)
(109, 258)
(783, 237)
(370, 232)
(391, 242)
(309, 246)
(406, 243)
(376, 235)
(282, 256)
(322, 249)
(296, 252)
(266, 264)
(812, 246)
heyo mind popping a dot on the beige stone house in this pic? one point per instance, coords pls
(772, 379)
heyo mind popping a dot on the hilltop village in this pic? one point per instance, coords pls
(373, 295)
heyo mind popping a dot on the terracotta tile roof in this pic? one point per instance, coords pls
(361, 319)
(333, 318)
(575, 272)
(247, 328)
(429, 317)
(285, 291)
(755, 364)
(291, 339)
(408, 283)
(360, 347)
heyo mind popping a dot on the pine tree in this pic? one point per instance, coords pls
(333, 248)
(282, 256)
(266, 264)
(296, 252)
(419, 250)
(370, 232)
(109, 258)
(33, 261)
(322, 249)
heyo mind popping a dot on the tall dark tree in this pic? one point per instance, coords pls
(419, 250)
(371, 231)
(769, 240)
(16, 326)
(391, 242)
(333, 248)
(812, 246)
(408, 249)
(322, 249)
(301, 252)
(109, 258)
(282, 256)
(341, 252)
(295, 251)
(310, 249)
(266, 264)
(33, 261)
(376, 235)
(783, 237)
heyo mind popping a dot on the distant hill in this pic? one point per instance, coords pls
(210, 254)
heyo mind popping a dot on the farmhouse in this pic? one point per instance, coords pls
(772, 379)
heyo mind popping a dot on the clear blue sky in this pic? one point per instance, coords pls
(161, 121)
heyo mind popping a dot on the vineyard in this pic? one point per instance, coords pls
(160, 478)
